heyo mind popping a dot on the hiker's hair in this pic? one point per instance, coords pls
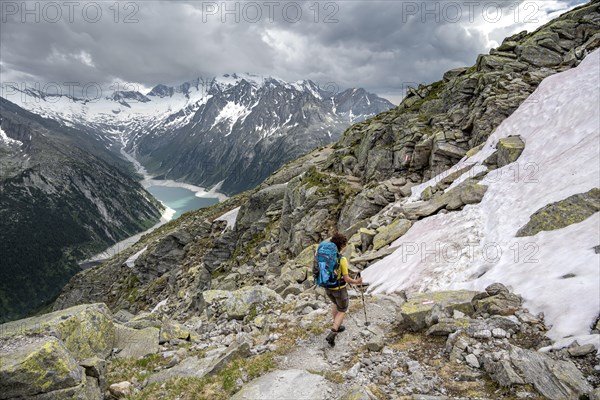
(339, 240)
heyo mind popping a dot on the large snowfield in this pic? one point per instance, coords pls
(472, 248)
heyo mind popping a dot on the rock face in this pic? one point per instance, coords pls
(563, 213)
(167, 254)
(278, 385)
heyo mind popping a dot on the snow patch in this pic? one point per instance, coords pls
(8, 140)
(231, 113)
(130, 262)
(159, 306)
(230, 217)
(477, 246)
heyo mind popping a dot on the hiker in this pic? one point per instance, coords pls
(335, 285)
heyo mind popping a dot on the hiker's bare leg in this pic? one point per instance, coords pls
(337, 321)
(334, 311)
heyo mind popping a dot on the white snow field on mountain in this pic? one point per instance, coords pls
(472, 248)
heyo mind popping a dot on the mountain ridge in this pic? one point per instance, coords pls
(259, 124)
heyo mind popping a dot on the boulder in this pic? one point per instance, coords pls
(86, 330)
(572, 210)
(300, 268)
(373, 255)
(242, 302)
(496, 288)
(136, 343)
(281, 384)
(417, 308)
(539, 56)
(504, 303)
(554, 379)
(196, 367)
(472, 360)
(580, 351)
(172, 330)
(501, 371)
(387, 234)
(509, 150)
(34, 366)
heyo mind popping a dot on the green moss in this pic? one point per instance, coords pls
(218, 387)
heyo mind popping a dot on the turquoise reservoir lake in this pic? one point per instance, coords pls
(180, 199)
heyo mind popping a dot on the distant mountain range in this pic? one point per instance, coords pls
(232, 131)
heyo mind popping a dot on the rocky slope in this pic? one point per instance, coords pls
(60, 203)
(234, 129)
(237, 274)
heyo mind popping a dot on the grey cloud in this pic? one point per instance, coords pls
(375, 44)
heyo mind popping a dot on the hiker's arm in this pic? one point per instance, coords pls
(351, 281)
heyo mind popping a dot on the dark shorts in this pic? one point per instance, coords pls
(339, 298)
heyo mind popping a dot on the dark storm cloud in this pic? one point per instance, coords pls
(380, 45)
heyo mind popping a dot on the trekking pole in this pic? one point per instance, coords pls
(362, 295)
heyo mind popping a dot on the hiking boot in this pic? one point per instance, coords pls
(331, 338)
(341, 329)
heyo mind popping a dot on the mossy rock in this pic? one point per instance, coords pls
(416, 309)
(172, 330)
(501, 304)
(37, 366)
(572, 210)
(387, 234)
(86, 330)
(509, 150)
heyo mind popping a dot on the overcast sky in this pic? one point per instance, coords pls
(382, 46)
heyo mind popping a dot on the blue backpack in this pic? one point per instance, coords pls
(327, 260)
